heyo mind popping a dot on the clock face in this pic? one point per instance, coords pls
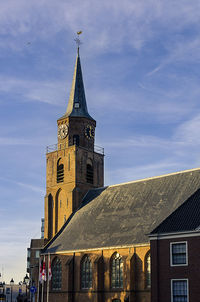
(89, 131)
(92, 132)
(62, 131)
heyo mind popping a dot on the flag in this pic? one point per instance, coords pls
(49, 270)
(44, 276)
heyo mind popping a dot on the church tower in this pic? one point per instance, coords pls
(74, 164)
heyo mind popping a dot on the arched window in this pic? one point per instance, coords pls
(76, 140)
(56, 274)
(116, 300)
(116, 271)
(60, 171)
(89, 174)
(148, 269)
(86, 273)
(50, 216)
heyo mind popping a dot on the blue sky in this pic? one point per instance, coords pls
(140, 62)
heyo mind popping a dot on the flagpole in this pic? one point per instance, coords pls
(43, 278)
(42, 290)
(38, 291)
(48, 279)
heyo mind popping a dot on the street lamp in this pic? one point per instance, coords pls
(26, 281)
(20, 288)
(11, 285)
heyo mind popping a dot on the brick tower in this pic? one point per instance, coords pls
(74, 164)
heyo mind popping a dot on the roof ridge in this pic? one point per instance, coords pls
(154, 177)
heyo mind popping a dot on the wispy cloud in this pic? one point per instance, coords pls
(188, 132)
(185, 135)
(50, 92)
(25, 185)
(182, 49)
(132, 23)
(145, 171)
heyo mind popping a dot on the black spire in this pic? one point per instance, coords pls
(77, 105)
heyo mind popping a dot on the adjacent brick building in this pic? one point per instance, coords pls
(175, 254)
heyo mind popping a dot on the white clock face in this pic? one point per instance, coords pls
(62, 131)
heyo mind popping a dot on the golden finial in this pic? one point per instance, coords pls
(78, 41)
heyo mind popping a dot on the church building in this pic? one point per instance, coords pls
(98, 236)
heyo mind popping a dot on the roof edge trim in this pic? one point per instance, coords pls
(99, 248)
(174, 235)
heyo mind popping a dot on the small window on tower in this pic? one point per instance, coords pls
(89, 175)
(76, 105)
(76, 140)
(60, 172)
(37, 254)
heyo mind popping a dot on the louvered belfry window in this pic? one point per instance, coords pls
(56, 274)
(60, 172)
(86, 273)
(116, 271)
(89, 175)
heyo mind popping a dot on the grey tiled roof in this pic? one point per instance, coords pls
(125, 214)
(77, 105)
(185, 218)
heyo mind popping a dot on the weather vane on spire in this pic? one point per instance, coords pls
(77, 40)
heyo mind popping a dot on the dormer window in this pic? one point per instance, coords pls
(76, 105)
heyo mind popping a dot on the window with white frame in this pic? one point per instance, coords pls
(179, 290)
(179, 253)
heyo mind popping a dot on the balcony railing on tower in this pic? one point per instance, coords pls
(57, 147)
